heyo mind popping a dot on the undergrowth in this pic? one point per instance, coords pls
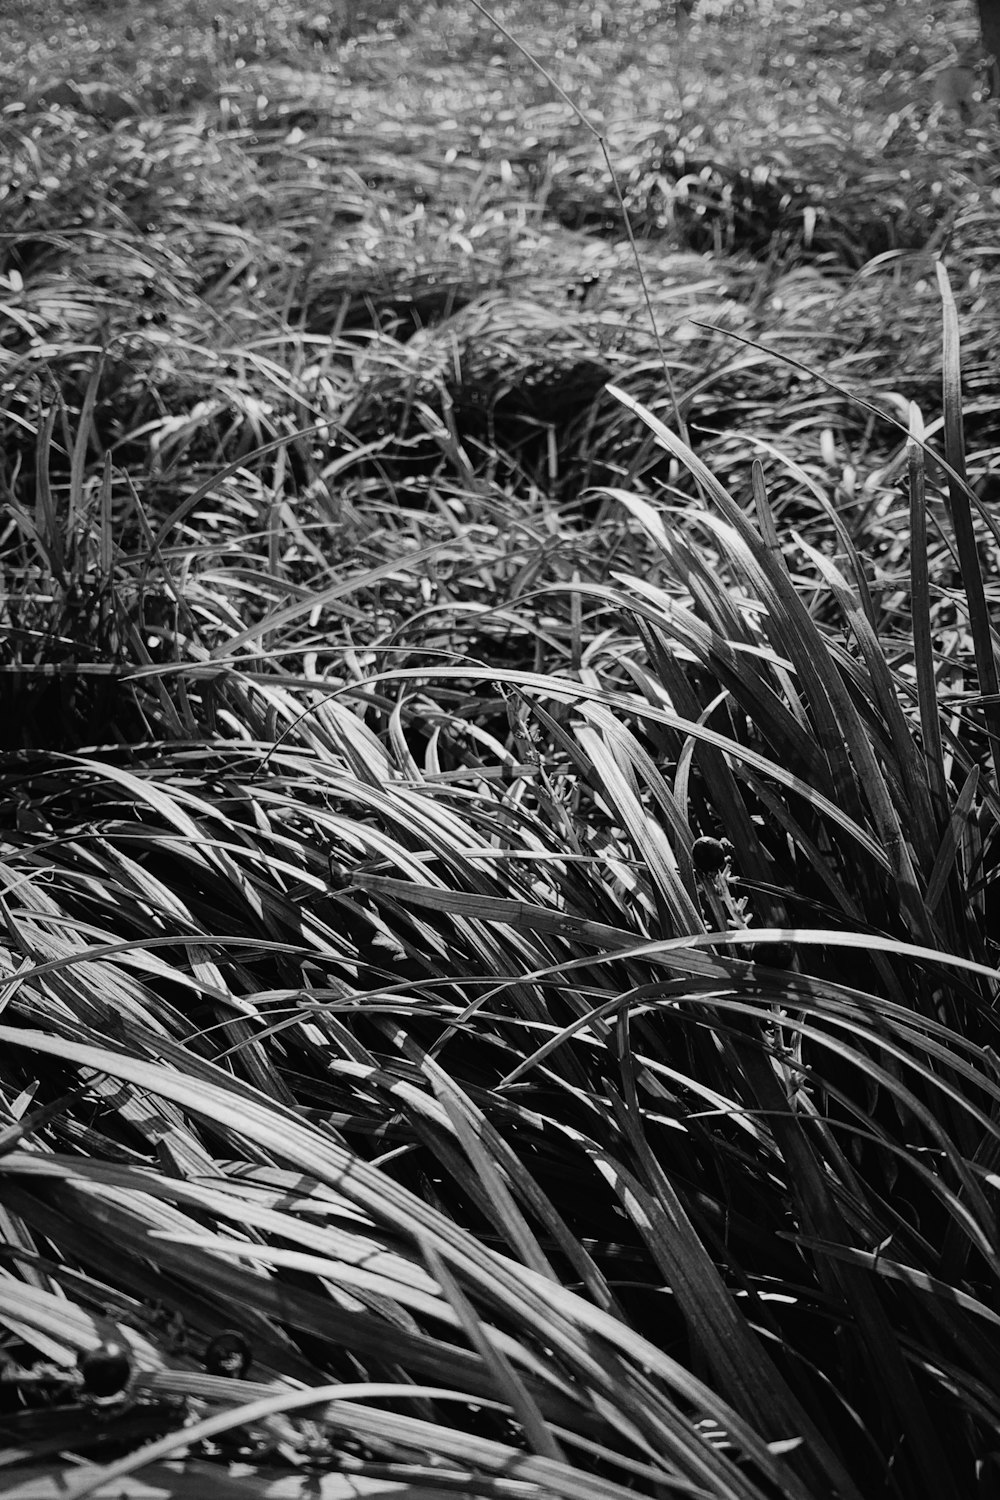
(499, 827)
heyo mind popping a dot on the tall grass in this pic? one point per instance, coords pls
(499, 839)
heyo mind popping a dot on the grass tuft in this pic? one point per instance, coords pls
(500, 813)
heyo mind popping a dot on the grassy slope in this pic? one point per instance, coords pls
(390, 905)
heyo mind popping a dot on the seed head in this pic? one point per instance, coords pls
(105, 1371)
(230, 1354)
(774, 955)
(709, 855)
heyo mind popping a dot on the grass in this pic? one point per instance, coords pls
(499, 826)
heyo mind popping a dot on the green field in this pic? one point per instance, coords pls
(500, 744)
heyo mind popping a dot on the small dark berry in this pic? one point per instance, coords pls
(774, 955)
(228, 1354)
(708, 855)
(106, 1370)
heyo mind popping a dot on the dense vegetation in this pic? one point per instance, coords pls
(500, 817)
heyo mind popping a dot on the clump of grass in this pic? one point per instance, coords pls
(498, 985)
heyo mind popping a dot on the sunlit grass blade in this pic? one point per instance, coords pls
(539, 1435)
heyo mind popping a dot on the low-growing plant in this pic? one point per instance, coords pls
(499, 834)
